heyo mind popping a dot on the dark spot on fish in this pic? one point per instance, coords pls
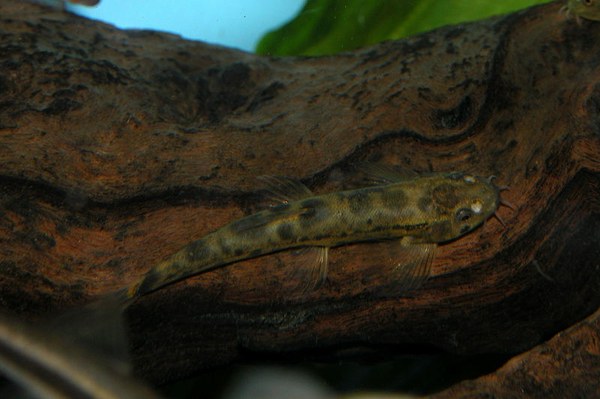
(425, 204)
(445, 195)
(464, 229)
(285, 232)
(239, 252)
(248, 223)
(303, 238)
(343, 234)
(393, 199)
(441, 231)
(198, 251)
(308, 214)
(313, 209)
(312, 203)
(225, 249)
(359, 201)
(369, 222)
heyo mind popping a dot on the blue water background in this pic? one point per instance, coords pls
(232, 23)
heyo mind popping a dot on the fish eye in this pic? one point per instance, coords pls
(464, 214)
(588, 2)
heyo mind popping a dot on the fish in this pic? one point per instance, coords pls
(587, 9)
(49, 365)
(420, 212)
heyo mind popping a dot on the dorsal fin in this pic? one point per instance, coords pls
(284, 189)
(384, 174)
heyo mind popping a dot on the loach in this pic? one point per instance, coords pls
(587, 9)
(421, 212)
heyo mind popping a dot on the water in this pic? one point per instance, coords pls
(211, 21)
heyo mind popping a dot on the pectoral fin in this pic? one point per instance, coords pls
(310, 267)
(414, 265)
(412, 272)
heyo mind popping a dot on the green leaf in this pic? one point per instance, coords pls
(330, 26)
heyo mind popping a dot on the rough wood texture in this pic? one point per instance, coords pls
(119, 147)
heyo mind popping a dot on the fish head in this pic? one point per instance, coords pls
(463, 202)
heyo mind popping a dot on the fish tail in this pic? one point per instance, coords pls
(197, 257)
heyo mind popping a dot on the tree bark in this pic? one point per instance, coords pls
(119, 147)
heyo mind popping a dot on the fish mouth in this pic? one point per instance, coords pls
(499, 199)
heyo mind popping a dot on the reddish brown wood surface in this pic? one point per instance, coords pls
(119, 147)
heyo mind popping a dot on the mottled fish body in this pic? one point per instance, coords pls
(51, 367)
(421, 212)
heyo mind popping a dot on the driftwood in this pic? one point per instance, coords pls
(567, 366)
(119, 147)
